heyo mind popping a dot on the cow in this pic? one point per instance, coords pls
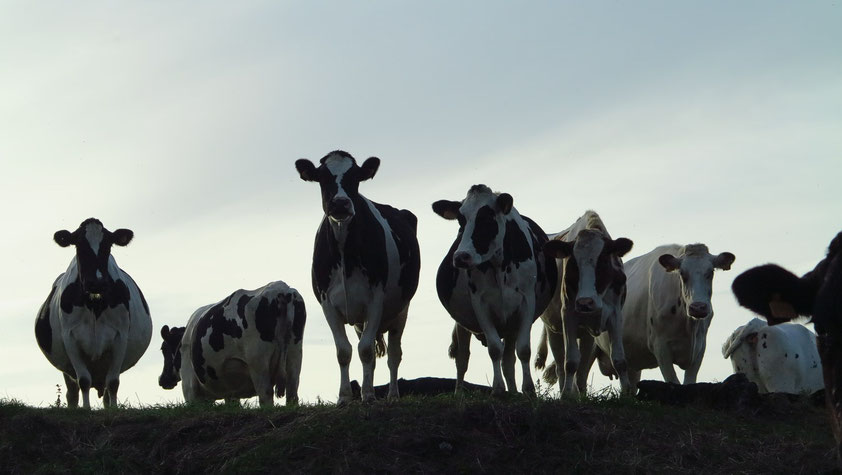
(494, 281)
(778, 295)
(365, 270)
(95, 324)
(588, 302)
(779, 359)
(668, 311)
(248, 344)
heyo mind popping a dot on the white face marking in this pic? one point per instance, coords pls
(338, 166)
(696, 279)
(586, 251)
(469, 209)
(94, 235)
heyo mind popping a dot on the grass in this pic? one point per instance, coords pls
(467, 433)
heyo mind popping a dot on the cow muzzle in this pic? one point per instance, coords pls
(586, 305)
(340, 209)
(463, 260)
(698, 310)
(167, 382)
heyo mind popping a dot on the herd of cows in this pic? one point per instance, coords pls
(501, 274)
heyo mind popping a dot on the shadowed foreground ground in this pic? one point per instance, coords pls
(471, 433)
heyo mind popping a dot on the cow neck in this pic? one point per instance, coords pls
(340, 231)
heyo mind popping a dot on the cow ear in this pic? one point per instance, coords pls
(165, 332)
(504, 203)
(306, 170)
(621, 246)
(669, 262)
(723, 261)
(63, 238)
(447, 209)
(122, 237)
(369, 168)
(558, 249)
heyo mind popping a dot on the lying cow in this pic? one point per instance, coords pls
(494, 281)
(778, 295)
(95, 323)
(248, 344)
(365, 267)
(779, 359)
(668, 311)
(587, 303)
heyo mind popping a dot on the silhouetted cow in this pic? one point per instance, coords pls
(95, 323)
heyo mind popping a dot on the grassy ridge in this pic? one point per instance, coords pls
(457, 434)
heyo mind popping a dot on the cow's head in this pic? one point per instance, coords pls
(339, 178)
(93, 250)
(482, 224)
(592, 267)
(171, 348)
(695, 268)
(778, 295)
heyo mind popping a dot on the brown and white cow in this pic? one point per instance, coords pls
(587, 302)
(778, 295)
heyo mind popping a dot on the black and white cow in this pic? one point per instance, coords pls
(365, 267)
(778, 295)
(95, 323)
(494, 281)
(248, 344)
(587, 303)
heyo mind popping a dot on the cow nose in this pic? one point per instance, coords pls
(698, 310)
(340, 207)
(585, 305)
(166, 383)
(462, 259)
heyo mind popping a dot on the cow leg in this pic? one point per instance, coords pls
(495, 352)
(293, 371)
(571, 355)
(692, 371)
(618, 354)
(634, 378)
(343, 352)
(524, 350)
(264, 386)
(462, 354)
(72, 391)
(83, 376)
(586, 349)
(112, 377)
(368, 339)
(664, 357)
(395, 353)
(509, 364)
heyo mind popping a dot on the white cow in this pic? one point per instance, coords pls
(668, 311)
(248, 344)
(779, 359)
(95, 323)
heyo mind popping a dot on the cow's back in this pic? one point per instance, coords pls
(788, 359)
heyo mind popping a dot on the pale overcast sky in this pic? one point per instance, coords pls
(714, 122)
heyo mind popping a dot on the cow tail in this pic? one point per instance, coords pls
(550, 375)
(454, 345)
(380, 346)
(541, 355)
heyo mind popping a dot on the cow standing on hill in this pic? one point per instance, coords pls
(494, 281)
(588, 302)
(778, 359)
(248, 344)
(365, 267)
(778, 295)
(668, 311)
(95, 323)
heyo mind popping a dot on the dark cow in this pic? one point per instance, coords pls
(778, 295)
(95, 323)
(248, 344)
(494, 281)
(588, 303)
(365, 267)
